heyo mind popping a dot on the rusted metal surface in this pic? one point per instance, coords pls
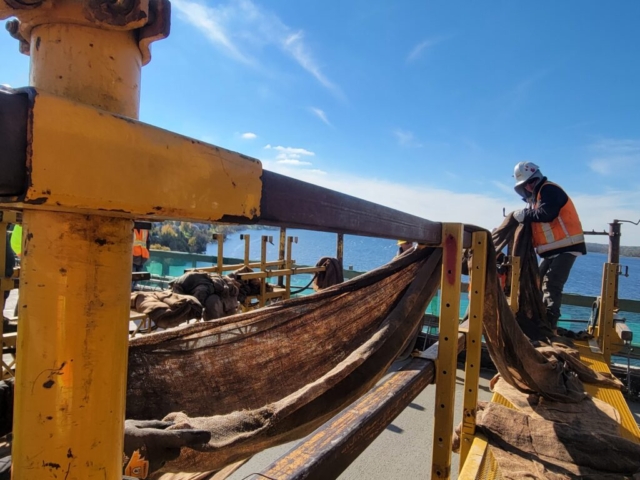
(14, 111)
(334, 446)
(23, 4)
(296, 204)
(118, 13)
(13, 27)
(157, 28)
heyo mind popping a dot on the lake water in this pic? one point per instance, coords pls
(365, 253)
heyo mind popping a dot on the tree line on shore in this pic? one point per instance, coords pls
(191, 237)
(604, 248)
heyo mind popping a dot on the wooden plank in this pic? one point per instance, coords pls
(329, 450)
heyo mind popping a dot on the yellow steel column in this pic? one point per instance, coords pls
(605, 323)
(288, 265)
(263, 268)
(447, 349)
(247, 249)
(76, 274)
(474, 337)
(282, 245)
(515, 284)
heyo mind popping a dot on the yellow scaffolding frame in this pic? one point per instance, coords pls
(447, 351)
(477, 284)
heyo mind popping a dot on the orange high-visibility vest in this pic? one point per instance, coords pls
(140, 243)
(565, 230)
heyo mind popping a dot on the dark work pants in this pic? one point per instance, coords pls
(554, 273)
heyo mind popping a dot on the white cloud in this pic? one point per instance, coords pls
(249, 135)
(417, 50)
(598, 210)
(406, 138)
(290, 150)
(292, 161)
(291, 155)
(241, 29)
(611, 156)
(321, 115)
(211, 22)
(294, 44)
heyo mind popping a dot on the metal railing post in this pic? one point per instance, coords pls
(477, 284)
(447, 351)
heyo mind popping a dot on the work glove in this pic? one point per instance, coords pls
(519, 215)
(148, 445)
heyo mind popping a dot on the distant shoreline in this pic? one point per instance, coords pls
(603, 248)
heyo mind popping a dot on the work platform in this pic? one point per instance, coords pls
(480, 463)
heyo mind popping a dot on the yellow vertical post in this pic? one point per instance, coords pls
(282, 244)
(447, 349)
(474, 338)
(247, 249)
(76, 280)
(263, 268)
(610, 272)
(220, 238)
(288, 266)
(515, 284)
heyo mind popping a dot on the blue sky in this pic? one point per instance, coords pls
(422, 106)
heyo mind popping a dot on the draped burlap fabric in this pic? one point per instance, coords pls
(556, 431)
(531, 315)
(272, 375)
(552, 440)
(550, 370)
(166, 309)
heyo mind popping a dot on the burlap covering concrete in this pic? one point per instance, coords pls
(273, 375)
(557, 441)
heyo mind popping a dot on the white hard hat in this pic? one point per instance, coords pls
(524, 171)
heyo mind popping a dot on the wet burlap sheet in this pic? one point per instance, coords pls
(273, 375)
(331, 276)
(558, 432)
(166, 309)
(551, 370)
(551, 440)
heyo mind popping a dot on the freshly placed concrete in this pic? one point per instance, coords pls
(401, 451)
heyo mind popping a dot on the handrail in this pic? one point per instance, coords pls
(335, 445)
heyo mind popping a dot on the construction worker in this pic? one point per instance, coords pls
(141, 246)
(403, 246)
(557, 232)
